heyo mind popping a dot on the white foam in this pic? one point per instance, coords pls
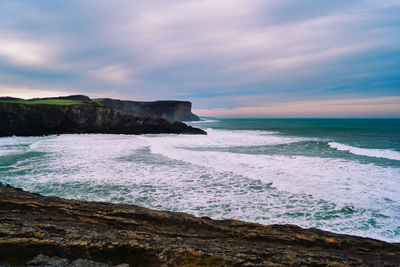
(202, 121)
(377, 153)
(333, 179)
(166, 172)
(92, 145)
(15, 145)
(343, 182)
(225, 138)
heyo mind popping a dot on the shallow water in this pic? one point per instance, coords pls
(337, 175)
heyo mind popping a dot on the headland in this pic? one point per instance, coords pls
(80, 114)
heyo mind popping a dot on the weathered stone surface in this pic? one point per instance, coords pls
(31, 224)
(46, 261)
(40, 119)
(170, 110)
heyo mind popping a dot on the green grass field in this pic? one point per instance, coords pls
(61, 102)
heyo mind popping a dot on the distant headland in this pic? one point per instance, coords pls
(80, 114)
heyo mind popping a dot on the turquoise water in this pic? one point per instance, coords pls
(341, 175)
(368, 140)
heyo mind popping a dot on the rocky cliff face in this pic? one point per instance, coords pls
(32, 120)
(170, 110)
(9, 98)
(31, 224)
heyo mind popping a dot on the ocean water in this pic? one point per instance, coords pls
(341, 175)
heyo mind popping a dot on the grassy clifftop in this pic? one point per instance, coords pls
(59, 101)
(49, 101)
(172, 110)
(67, 117)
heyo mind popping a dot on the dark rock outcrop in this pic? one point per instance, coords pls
(170, 110)
(31, 224)
(40, 119)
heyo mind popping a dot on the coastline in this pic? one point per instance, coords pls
(38, 119)
(32, 224)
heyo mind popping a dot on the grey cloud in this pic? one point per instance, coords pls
(173, 49)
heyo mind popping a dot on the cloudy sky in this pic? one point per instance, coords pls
(253, 58)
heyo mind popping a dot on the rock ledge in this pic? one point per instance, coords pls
(31, 224)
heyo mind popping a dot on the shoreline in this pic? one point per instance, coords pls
(32, 224)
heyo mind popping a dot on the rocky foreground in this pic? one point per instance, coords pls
(80, 233)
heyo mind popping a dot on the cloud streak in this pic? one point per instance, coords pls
(25, 51)
(197, 50)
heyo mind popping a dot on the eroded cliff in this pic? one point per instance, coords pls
(42, 119)
(170, 110)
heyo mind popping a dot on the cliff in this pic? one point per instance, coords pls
(31, 224)
(170, 110)
(9, 98)
(42, 119)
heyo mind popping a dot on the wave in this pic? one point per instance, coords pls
(228, 138)
(15, 145)
(203, 121)
(377, 153)
(165, 172)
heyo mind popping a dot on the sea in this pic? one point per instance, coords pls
(340, 175)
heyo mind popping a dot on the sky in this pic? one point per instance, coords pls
(230, 58)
